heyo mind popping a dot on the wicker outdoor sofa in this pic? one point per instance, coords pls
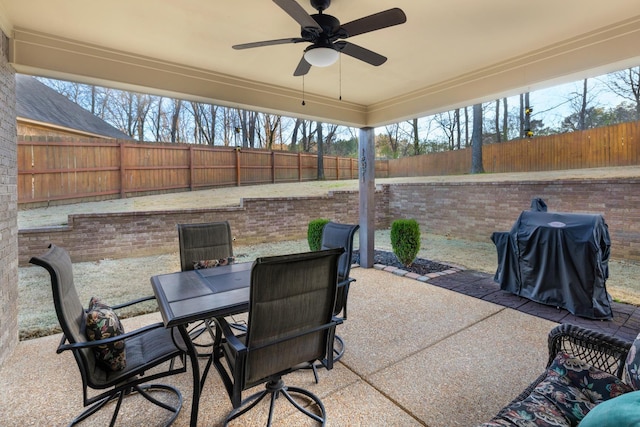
(585, 369)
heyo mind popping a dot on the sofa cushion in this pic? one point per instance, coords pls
(102, 322)
(633, 365)
(597, 385)
(623, 411)
(569, 391)
(210, 263)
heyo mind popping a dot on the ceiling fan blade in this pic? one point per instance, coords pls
(360, 53)
(377, 21)
(268, 43)
(299, 14)
(302, 68)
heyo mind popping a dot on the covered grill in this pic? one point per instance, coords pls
(559, 259)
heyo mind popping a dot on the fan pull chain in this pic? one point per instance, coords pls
(303, 103)
(340, 81)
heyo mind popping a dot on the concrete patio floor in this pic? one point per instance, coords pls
(417, 354)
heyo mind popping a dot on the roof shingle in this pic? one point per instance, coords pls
(38, 102)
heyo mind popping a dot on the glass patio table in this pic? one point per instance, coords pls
(188, 296)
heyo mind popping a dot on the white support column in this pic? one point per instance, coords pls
(366, 158)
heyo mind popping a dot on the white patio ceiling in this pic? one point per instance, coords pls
(448, 53)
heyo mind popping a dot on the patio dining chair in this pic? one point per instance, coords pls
(290, 323)
(200, 243)
(335, 235)
(114, 364)
(205, 245)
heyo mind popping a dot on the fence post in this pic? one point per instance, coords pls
(337, 168)
(273, 167)
(191, 168)
(123, 181)
(299, 167)
(237, 166)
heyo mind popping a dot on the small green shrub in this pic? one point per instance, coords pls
(314, 233)
(405, 240)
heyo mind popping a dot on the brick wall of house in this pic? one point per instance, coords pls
(97, 236)
(475, 210)
(8, 207)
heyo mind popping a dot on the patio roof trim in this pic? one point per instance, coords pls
(595, 52)
(51, 56)
(600, 51)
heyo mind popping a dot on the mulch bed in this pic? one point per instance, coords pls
(420, 266)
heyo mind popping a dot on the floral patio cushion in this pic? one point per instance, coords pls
(101, 323)
(569, 391)
(210, 263)
(633, 365)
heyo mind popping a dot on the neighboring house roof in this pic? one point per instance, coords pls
(36, 102)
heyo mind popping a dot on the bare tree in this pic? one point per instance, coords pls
(121, 112)
(525, 106)
(302, 136)
(271, 125)
(204, 116)
(583, 106)
(476, 140)
(306, 136)
(466, 126)
(585, 113)
(446, 122)
(393, 141)
(247, 122)
(294, 135)
(230, 128)
(416, 136)
(521, 114)
(456, 116)
(175, 122)
(330, 138)
(71, 90)
(142, 105)
(626, 84)
(497, 117)
(157, 119)
(320, 151)
(505, 120)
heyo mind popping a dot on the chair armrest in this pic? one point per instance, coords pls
(604, 352)
(345, 282)
(135, 301)
(90, 344)
(228, 334)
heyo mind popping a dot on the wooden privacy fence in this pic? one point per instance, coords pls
(93, 168)
(617, 145)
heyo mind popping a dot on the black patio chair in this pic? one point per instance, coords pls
(205, 245)
(335, 235)
(150, 351)
(290, 323)
(205, 241)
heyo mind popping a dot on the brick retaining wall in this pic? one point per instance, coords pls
(91, 237)
(474, 210)
(469, 210)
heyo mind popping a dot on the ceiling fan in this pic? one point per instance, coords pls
(325, 32)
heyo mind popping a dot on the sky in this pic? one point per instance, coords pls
(550, 105)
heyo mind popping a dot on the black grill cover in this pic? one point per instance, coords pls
(559, 259)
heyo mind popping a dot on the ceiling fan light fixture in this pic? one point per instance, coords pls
(320, 56)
